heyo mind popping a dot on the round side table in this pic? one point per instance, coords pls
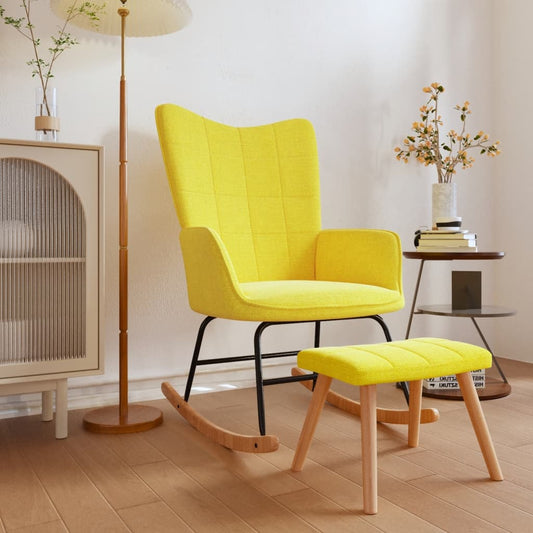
(494, 388)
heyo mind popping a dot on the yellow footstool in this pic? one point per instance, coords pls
(410, 360)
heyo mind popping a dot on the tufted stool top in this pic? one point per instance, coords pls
(406, 360)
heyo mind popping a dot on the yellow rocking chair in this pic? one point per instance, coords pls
(248, 203)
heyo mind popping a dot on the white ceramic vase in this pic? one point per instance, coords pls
(444, 201)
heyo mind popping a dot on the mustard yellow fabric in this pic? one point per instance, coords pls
(372, 257)
(406, 360)
(248, 202)
(257, 188)
(214, 289)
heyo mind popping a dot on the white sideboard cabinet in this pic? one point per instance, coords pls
(51, 269)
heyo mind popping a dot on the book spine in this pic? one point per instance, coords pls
(452, 243)
(450, 382)
(447, 236)
(451, 385)
(446, 249)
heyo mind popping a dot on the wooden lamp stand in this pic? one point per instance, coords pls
(123, 418)
(148, 18)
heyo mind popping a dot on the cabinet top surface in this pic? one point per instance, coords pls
(450, 256)
(21, 142)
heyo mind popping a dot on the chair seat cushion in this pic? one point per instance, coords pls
(388, 362)
(288, 300)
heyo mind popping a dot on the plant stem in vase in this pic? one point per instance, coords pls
(46, 119)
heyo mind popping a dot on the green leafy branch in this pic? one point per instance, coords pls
(61, 41)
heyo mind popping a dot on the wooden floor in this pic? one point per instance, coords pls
(171, 479)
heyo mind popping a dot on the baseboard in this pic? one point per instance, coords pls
(215, 379)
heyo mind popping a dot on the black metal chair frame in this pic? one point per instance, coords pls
(258, 357)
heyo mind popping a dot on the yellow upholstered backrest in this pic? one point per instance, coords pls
(257, 187)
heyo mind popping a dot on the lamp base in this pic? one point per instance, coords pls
(107, 419)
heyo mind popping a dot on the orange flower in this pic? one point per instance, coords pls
(425, 143)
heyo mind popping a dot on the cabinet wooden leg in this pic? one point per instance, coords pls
(47, 410)
(61, 409)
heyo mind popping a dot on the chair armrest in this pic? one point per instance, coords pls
(212, 283)
(368, 256)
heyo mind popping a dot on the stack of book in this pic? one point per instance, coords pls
(451, 383)
(441, 240)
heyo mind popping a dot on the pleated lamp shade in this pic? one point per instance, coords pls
(147, 17)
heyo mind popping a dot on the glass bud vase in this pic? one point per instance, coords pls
(46, 119)
(444, 202)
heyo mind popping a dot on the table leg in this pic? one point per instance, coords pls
(488, 348)
(415, 296)
(404, 385)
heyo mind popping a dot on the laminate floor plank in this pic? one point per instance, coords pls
(257, 509)
(512, 457)
(476, 503)
(430, 508)
(49, 527)
(504, 491)
(198, 458)
(323, 514)
(345, 489)
(501, 423)
(194, 504)
(155, 517)
(263, 475)
(132, 448)
(114, 478)
(23, 499)
(526, 448)
(349, 494)
(80, 504)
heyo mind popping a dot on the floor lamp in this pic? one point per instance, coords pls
(144, 18)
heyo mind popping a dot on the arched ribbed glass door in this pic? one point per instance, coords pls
(42, 265)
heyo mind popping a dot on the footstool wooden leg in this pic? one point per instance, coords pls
(479, 424)
(415, 409)
(313, 414)
(369, 448)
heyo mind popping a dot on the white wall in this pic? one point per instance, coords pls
(355, 68)
(513, 186)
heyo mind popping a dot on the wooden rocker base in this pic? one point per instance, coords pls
(228, 439)
(388, 416)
